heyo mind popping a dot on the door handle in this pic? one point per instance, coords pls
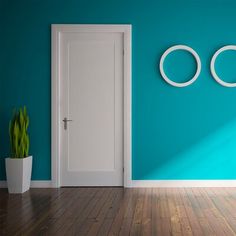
(65, 120)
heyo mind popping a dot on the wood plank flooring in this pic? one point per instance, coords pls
(118, 211)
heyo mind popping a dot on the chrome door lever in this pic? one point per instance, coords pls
(65, 120)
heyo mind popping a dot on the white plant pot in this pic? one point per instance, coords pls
(18, 172)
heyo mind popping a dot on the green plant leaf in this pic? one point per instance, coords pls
(19, 138)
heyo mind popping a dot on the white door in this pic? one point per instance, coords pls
(91, 71)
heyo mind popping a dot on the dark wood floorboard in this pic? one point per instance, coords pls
(118, 211)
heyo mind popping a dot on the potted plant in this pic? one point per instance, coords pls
(19, 165)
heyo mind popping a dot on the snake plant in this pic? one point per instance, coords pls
(19, 138)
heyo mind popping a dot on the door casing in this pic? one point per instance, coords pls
(56, 117)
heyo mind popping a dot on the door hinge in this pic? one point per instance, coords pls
(123, 51)
(123, 169)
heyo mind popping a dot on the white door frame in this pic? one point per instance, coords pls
(56, 118)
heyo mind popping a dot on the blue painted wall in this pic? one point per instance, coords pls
(178, 133)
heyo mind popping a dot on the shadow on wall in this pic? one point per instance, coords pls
(209, 157)
(4, 141)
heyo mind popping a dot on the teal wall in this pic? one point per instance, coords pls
(178, 133)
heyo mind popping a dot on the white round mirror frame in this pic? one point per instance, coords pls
(180, 47)
(213, 72)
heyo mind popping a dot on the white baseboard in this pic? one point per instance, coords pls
(33, 184)
(149, 183)
(41, 184)
(181, 183)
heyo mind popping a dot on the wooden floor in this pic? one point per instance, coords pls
(117, 211)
